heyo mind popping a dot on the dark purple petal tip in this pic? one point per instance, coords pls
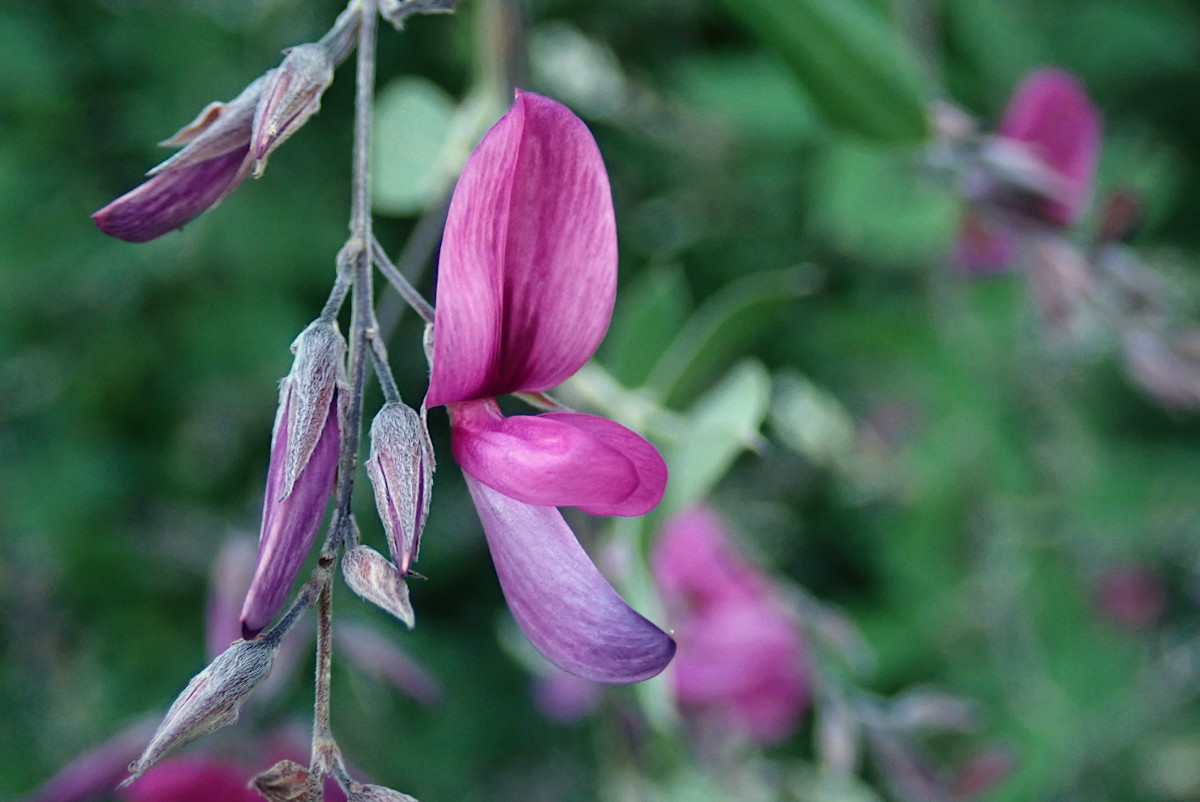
(172, 198)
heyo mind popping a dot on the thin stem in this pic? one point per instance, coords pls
(358, 252)
(407, 291)
(339, 40)
(323, 741)
(387, 382)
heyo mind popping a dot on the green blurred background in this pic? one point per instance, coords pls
(1005, 476)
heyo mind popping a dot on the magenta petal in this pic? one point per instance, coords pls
(172, 198)
(1051, 111)
(651, 468)
(538, 460)
(289, 527)
(569, 612)
(528, 268)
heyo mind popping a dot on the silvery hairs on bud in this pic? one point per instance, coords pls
(373, 577)
(401, 471)
(288, 781)
(292, 94)
(211, 700)
(318, 372)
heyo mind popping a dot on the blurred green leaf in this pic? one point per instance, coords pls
(651, 311)
(754, 94)
(412, 125)
(855, 67)
(724, 325)
(878, 207)
(721, 424)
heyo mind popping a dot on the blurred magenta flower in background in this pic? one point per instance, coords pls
(525, 290)
(1037, 171)
(742, 662)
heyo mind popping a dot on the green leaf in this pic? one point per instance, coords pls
(754, 94)
(650, 312)
(722, 327)
(412, 124)
(720, 426)
(855, 67)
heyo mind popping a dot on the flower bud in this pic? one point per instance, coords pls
(373, 577)
(211, 700)
(305, 448)
(401, 471)
(288, 781)
(317, 373)
(292, 95)
(215, 159)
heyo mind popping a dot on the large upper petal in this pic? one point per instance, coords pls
(528, 267)
(569, 612)
(558, 459)
(1051, 112)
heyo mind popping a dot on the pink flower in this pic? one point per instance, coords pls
(526, 285)
(742, 663)
(1038, 169)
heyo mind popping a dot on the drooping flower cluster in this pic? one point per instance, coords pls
(526, 287)
(742, 666)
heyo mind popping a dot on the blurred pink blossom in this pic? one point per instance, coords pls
(1131, 596)
(742, 662)
(1037, 171)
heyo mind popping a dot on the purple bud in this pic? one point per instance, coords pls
(305, 446)
(210, 701)
(291, 96)
(401, 471)
(288, 781)
(215, 159)
(373, 577)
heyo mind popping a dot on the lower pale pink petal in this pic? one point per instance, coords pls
(569, 612)
(651, 468)
(541, 460)
(1051, 112)
(172, 198)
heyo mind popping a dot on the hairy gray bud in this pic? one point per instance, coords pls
(318, 371)
(210, 701)
(401, 472)
(373, 577)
